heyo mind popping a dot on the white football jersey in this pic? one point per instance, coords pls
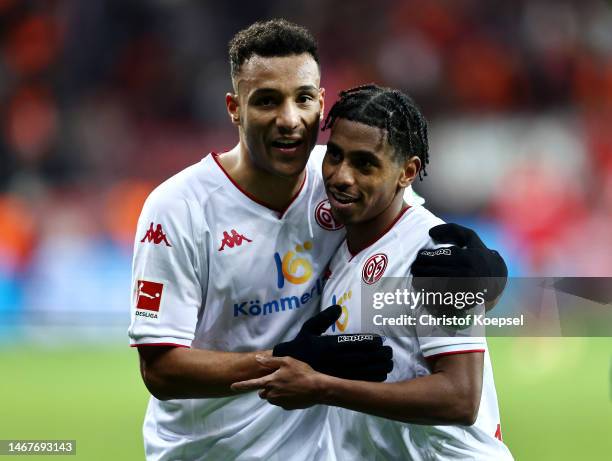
(214, 269)
(360, 436)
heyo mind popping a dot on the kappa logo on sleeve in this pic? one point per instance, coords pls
(156, 236)
(149, 298)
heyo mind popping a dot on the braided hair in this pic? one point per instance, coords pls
(390, 110)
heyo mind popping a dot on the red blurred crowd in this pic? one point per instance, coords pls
(100, 101)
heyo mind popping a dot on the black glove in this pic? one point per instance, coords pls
(355, 356)
(470, 266)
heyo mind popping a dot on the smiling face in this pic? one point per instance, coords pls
(362, 177)
(277, 108)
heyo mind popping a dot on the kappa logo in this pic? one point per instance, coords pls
(441, 251)
(498, 433)
(355, 338)
(325, 218)
(374, 268)
(232, 239)
(156, 236)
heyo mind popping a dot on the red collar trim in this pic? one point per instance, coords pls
(282, 212)
(376, 239)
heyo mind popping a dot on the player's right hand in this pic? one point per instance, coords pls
(354, 356)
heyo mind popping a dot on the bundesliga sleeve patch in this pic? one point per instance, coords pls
(149, 298)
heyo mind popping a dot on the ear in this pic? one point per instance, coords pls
(322, 102)
(410, 170)
(233, 108)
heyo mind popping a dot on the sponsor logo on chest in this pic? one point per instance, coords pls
(255, 308)
(293, 268)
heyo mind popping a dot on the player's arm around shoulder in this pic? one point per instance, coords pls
(450, 395)
(466, 258)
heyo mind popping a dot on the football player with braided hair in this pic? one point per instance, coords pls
(470, 264)
(439, 402)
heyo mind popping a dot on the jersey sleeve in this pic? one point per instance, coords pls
(168, 272)
(438, 346)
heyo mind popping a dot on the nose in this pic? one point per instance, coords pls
(288, 118)
(341, 177)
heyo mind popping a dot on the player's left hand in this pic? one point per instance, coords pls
(292, 386)
(470, 259)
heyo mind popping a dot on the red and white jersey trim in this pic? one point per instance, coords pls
(461, 351)
(160, 341)
(281, 212)
(431, 346)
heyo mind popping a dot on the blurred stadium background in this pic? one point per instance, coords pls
(100, 101)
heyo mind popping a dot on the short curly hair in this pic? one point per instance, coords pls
(276, 37)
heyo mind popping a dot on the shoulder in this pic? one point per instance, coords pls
(417, 222)
(194, 184)
(410, 235)
(426, 218)
(179, 201)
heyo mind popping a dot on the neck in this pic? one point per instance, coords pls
(276, 192)
(362, 235)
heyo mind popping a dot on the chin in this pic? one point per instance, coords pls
(343, 218)
(338, 217)
(288, 170)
